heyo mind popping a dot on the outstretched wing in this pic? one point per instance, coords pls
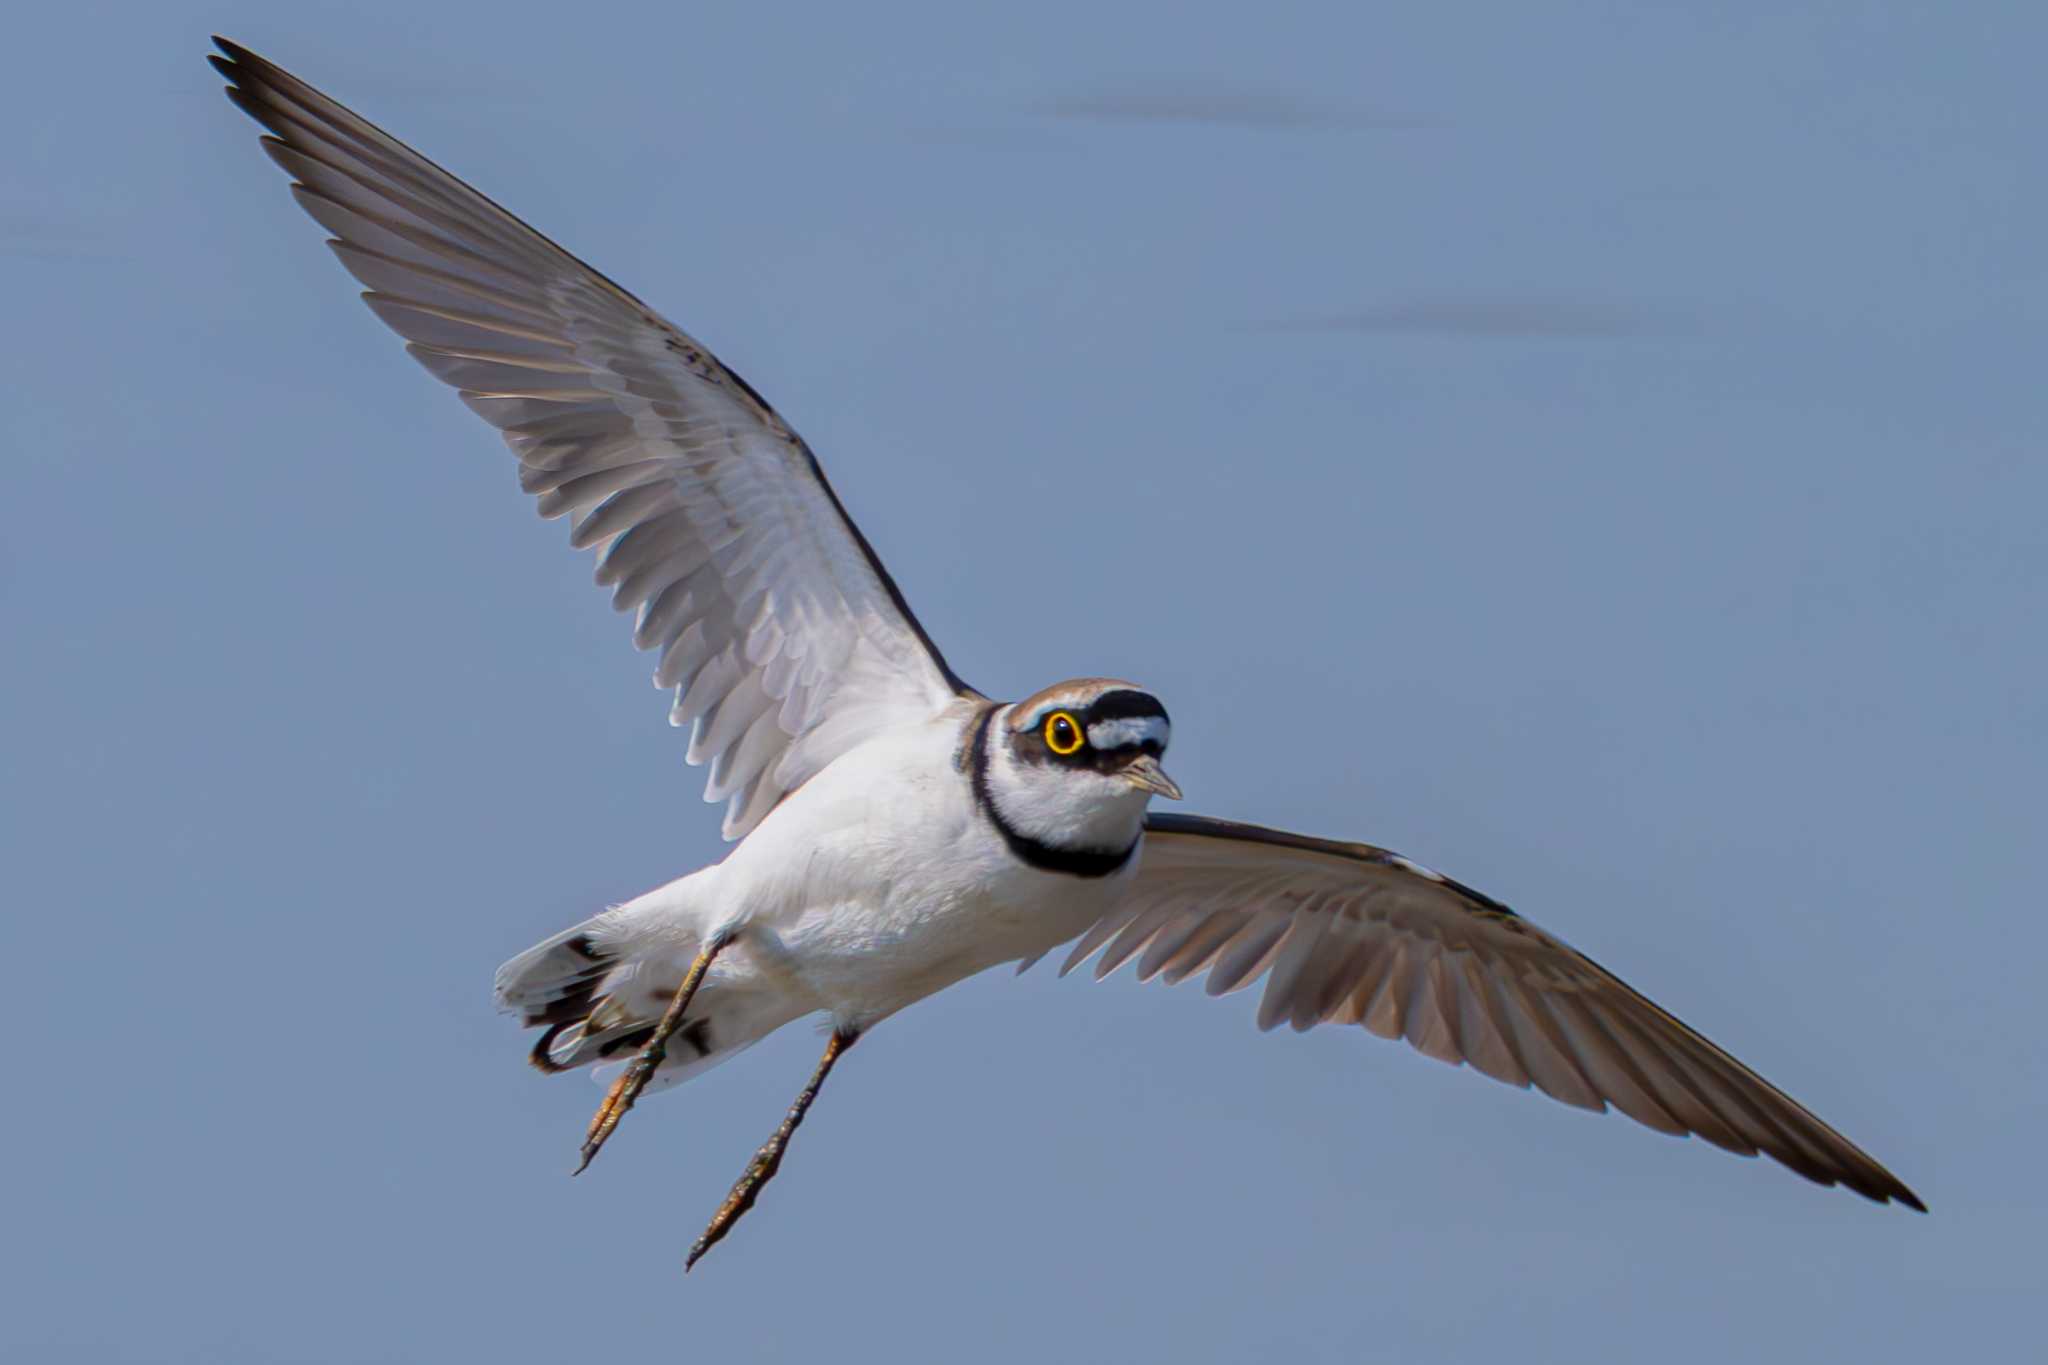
(1352, 934)
(783, 637)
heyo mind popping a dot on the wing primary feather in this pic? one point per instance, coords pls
(691, 648)
(1295, 972)
(1104, 929)
(442, 324)
(1432, 1019)
(445, 290)
(1545, 1050)
(1671, 1082)
(1246, 955)
(1363, 972)
(1198, 949)
(1131, 939)
(1386, 1014)
(587, 490)
(1731, 1099)
(650, 537)
(618, 419)
(618, 515)
(1488, 1040)
(1612, 1071)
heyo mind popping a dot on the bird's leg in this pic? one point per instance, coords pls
(766, 1161)
(634, 1078)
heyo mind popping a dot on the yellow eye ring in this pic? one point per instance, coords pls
(1063, 734)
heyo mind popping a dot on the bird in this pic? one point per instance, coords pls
(894, 830)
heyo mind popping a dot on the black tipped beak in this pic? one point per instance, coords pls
(1145, 774)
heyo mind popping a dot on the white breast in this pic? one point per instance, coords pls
(879, 882)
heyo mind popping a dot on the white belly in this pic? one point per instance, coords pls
(879, 882)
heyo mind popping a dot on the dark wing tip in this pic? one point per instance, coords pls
(234, 51)
(1897, 1193)
(241, 68)
(234, 61)
(1888, 1190)
(245, 71)
(1846, 1166)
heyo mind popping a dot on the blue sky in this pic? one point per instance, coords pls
(1596, 450)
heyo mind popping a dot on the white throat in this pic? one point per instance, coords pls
(1068, 808)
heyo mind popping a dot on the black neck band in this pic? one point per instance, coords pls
(1036, 852)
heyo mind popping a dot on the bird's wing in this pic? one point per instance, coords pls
(1352, 934)
(783, 637)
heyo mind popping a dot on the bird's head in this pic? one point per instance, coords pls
(1073, 766)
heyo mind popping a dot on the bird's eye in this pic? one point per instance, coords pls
(1062, 734)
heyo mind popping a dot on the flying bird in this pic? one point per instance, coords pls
(896, 830)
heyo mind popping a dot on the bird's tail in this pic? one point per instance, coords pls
(597, 1004)
(558, 985)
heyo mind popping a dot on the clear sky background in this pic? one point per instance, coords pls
(1597, 450)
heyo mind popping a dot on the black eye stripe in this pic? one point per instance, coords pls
(1125, 702)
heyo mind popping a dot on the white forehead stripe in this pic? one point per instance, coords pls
(1074, 704)
(1128, 730)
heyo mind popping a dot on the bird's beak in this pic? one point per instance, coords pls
(1145, 774)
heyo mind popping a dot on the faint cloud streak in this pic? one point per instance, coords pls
(1488, 317)
(26, 235)
(1239, 108)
